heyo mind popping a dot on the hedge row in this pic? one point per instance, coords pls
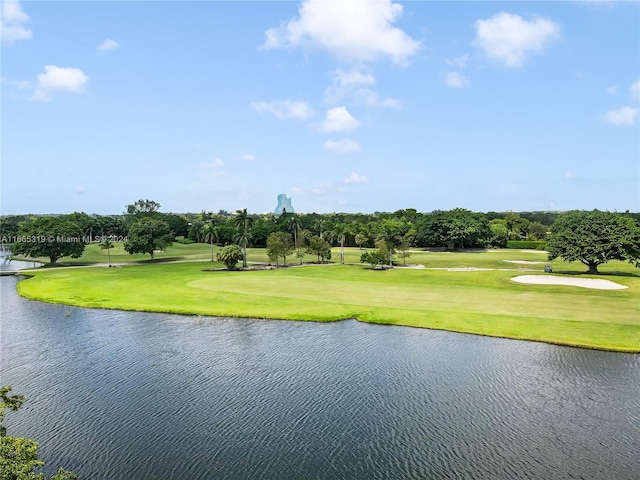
(527, 244)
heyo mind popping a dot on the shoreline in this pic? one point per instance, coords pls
(306, 306)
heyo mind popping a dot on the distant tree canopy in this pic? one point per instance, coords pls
(51, 237)
(140, 209)
(594, 238)
(148, 235)
(457, 228)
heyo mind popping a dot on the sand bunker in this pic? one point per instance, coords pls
(574, 282)
(523, 262)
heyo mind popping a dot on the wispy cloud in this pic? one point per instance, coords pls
(622, 117)
(20, 84)
(12, 20)
(248, 157)
(509, 39)
(635, 91)
(355, 30)
(59, 79)
(285, 109)
(345, 145)
(108, 44)
(339, 119)
(456, 80)
(569, 175)
(355, 178)
(458, 62)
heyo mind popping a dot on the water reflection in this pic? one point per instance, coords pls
(136, 396)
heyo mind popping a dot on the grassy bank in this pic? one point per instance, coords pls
(480, 302)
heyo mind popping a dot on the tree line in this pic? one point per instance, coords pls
(145, 229)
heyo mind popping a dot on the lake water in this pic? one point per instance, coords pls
(122, 395)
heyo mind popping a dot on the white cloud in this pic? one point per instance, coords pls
(455, 80)
(350, 84)
(355, 30)
(59, 79)
(12, 19)
(285, 109)
(635, 91)
(108, 44)
(624, 116)
(569, 175)
(339, 119)
(215, 164)
(81, 189)
(355, 178)
(612, 89)
(20, 84)
(509, 39)
(458, 62)
(248, 157)
(342, 146)
(345, 83)
(364, 96)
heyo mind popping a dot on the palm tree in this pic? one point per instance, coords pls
(108, 245)
(210, 232)
(294, 225)
(339, 232)
(389, 238)
(243, 222)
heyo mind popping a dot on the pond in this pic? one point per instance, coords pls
(127, 395)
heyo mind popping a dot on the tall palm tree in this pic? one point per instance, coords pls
(107, 245)
(210, 232)
(243, 222)
(339, 232)
(294, 225)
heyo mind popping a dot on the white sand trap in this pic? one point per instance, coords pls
(523, 262)
(574, 282)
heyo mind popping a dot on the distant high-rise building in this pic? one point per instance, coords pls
(284, 205)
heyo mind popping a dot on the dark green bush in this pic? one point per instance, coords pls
(527, 244)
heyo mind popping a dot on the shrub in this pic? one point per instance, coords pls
(230, 256)
(184, 241)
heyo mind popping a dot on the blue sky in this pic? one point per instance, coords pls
(344, 106)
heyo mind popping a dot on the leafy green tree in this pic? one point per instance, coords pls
(594, 238)
(538, 231)
(243, 222)
(210, 232)
(230, 256)
(148, 235)
(499, 234)
(279, 244)
(19, 456)
(319, 247)
(374, 258)
(52, 237)
(517, 226)
(140, 209)
(454, 228)
(107, 245)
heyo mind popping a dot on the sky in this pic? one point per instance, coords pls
(344, 106)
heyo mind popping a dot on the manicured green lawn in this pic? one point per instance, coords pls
(481, 302)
